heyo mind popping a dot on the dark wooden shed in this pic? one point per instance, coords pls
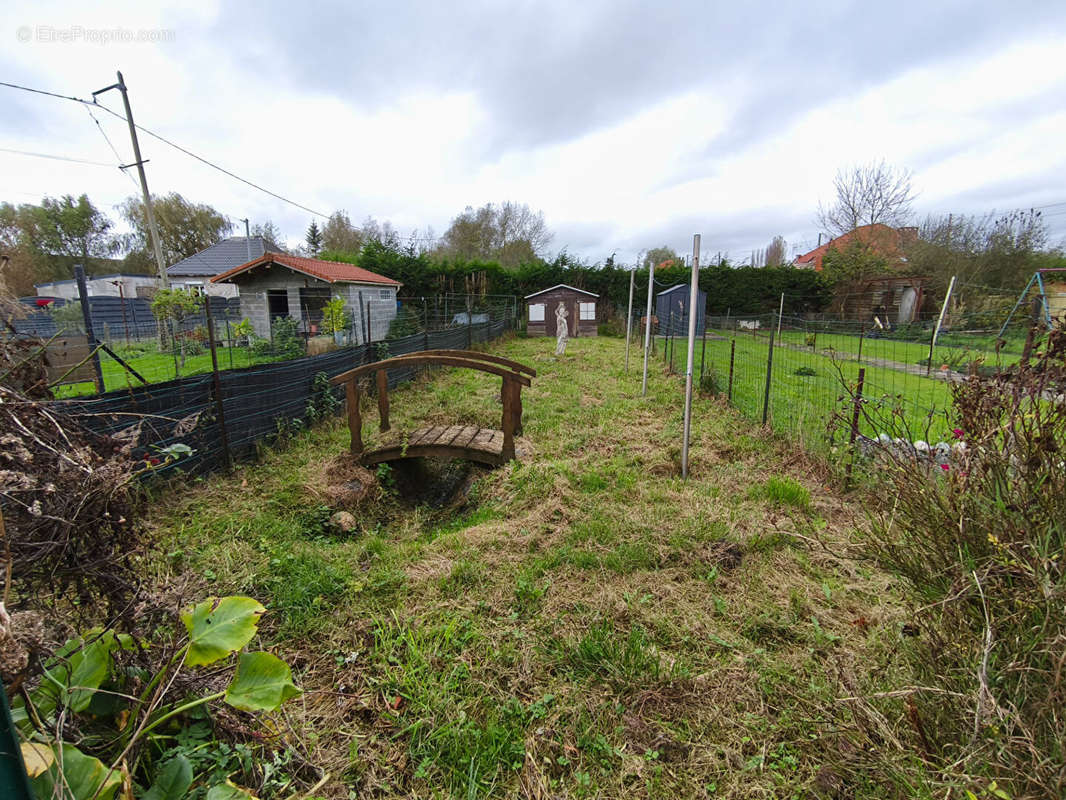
(582, 311)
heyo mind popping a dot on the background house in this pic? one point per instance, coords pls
(196, 271)
(671, 307)
(888, 242)
(581, 305)
(279, 285)
(117, 285)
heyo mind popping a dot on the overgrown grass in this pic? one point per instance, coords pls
(591, 626)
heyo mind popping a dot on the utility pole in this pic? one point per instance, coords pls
(139, 163)
(693, 299)
(247, 238)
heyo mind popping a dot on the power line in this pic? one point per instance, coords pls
(166, 141)
(56, 158)
(118, 156)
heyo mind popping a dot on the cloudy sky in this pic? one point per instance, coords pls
(630, 124)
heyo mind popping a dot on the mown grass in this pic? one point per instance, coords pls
(591, 626)
(156, 367)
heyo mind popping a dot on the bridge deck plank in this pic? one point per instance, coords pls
(453, 441)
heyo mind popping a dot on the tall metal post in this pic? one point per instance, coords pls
(693, 299)
(629, 314)
(939, 322)
(769, 372)
(647, 328)
(139, 163)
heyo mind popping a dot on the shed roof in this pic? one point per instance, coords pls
(329, 271)
(675, 288)
(219, 257)
(560, 286)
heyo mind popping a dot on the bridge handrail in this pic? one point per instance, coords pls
(416, 359)
(510, 390)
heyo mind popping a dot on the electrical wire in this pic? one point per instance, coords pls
(56, 158)
(118, 156)
(166, 141)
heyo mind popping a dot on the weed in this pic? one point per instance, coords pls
(784, 491)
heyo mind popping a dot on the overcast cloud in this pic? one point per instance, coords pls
(629, 124)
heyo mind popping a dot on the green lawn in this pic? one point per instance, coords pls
(587, 624)
(801, 404)
(950, 349)
(158, 367)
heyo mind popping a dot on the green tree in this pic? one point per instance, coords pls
(334, 317)
(57, 234)
(313, 239)
(339, 236)
(509, 233)
(171, 307)
(659, 255)
(185, 228)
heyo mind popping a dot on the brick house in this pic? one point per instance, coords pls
(280, 285)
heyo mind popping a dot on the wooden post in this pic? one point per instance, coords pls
(355, 420)
(862, 336)
(507, 423)
(87, 318)
(383, 398)
(855, 424)
(517, 408)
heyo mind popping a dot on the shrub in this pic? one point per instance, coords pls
(334, 317)
(978, 543)
(405, 323)
(807, 372)
(709, 383)
(612, 326)
(285, 341)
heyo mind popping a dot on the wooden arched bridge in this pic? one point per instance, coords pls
(485, 445)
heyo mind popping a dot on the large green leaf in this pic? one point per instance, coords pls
(76, 672)
(220, 626)
(229, 791)
(173, 780)
(80, 777)
(262, 683)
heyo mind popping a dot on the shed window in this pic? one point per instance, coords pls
(385, 294)
(536, 312)
(587, 311)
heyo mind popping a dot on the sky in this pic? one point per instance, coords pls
(631, 125)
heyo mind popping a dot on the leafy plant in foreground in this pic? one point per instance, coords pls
(88, 691)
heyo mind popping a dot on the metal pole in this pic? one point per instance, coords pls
(693, 299)
(164, 280)
(247, 239)
(122, 302)
(732, 356)
(769, 371)
(87, 318)
(939, 322)
(855, 424)
(647, 329)
(629, 314)
(862, 336)
(780, 313)
(217, 381)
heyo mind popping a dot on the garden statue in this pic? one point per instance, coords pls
(562, 332)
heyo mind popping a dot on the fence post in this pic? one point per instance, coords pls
(469, 323)
(87, 318)
(769, 371)
(217, 381)
(854, 425)
(732, 355)
(862, 336)
(229, 339)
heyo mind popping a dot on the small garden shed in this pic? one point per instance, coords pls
(279, 285)
(671, 307)
(581, 308)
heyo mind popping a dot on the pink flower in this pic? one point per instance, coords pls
(958, 433)
(945, 467)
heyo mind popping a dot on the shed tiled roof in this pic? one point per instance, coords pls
(219, 257)
(330, 271)
(885, 240)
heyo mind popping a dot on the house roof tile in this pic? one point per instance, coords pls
(219, 257)
(330, 271)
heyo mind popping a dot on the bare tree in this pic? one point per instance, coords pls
(339, 235)
(868, 194)
(776, 252)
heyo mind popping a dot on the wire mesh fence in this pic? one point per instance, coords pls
(799, 375)
(198, 423)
